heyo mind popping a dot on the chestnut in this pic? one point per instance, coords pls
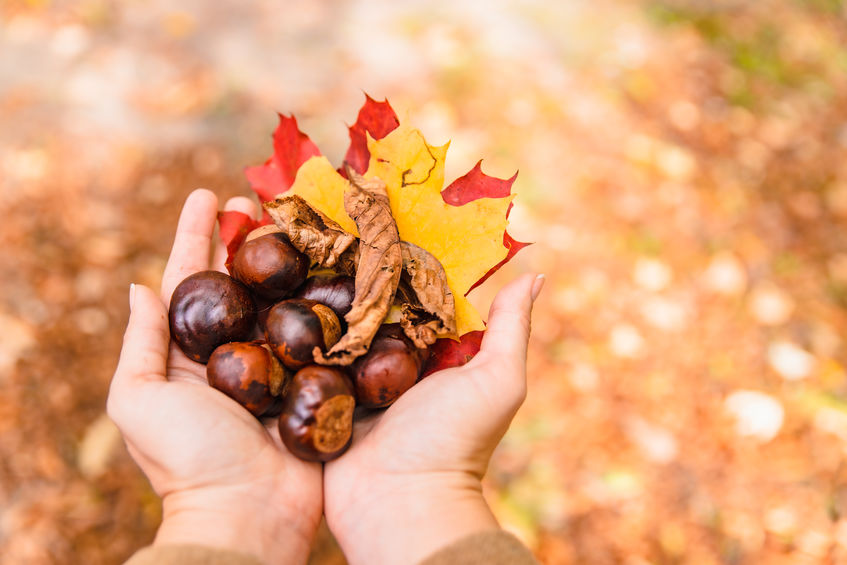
(248, 373)
(294, 327)
(270, 266)
(391, 366)
(209, 309)
(335, 291)
(316, 423)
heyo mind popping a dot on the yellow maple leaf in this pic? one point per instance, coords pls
(466, 239)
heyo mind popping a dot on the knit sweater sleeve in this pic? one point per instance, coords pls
(495, 547)
(190, 555)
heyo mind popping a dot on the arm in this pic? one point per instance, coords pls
(224, 478)
(411, 482)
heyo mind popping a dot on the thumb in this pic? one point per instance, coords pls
(144, 355)
(505, 340)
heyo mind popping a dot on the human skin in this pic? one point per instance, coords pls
(411, 481)
(409, 485)
(224, 477)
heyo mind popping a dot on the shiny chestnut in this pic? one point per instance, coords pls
(335, 291)
(209, 309)
(270, 266)
(249, 373)
(390, 367)
(316, 423)
(295, 327)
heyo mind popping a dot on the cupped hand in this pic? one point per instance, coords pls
(224, 477)
(411, 481)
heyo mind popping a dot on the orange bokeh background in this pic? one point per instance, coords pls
(683, 174)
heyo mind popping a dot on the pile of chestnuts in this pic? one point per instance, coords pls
(257, 329)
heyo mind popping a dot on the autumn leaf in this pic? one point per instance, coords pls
(471, 245)
(377, 273)
(292, 148)
(233, 229)
(375, 119)
(466, 239)
(446, 353)
(476, 184)
(312, 233)
(429, 313)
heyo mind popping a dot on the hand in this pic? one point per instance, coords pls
(224, 478)
(411, 481)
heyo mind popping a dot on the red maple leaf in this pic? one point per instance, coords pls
(376, 118)
(446, 353)
(233, 228)
(292, 148)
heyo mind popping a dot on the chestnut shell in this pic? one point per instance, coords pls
(316, 423)
(270, 266)
(294, 327)
(208, 309)
(391, 367)
(248, 373)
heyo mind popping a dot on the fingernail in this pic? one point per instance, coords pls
(131, 295)
(537, 286)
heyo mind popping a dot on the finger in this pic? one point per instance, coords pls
(193, 240)
(505, 340)
(238, 204)
(144, 355)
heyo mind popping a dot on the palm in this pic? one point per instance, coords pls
(447, 424)
(412, 475)
(196, 436)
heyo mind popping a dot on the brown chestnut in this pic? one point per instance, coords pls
(270, 266)
(335, 291)
(316, 423)
(294, 327)
(209, 309)
(391, 366)
(248, 373)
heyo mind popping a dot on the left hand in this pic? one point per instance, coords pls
(225, 478)
(410, 483)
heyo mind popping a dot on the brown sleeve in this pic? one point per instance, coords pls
(190, 555)
(495, 547)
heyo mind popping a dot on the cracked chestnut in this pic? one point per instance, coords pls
(316, 423)
(270, 266)
(335, 291)
(249, 373)
(295, 327)
(390, 367)
(209, 309)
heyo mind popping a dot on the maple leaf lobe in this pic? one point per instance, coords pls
(234, 227)
(292, 148)
(476, 184)
(447, 353)
(376, 119)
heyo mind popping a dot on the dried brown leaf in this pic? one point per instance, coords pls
(432, 313)
(314, 234)
(378, 272)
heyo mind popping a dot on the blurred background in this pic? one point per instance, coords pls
(683, 172)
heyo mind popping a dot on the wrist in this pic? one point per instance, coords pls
(407, 520)
(226, 519)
